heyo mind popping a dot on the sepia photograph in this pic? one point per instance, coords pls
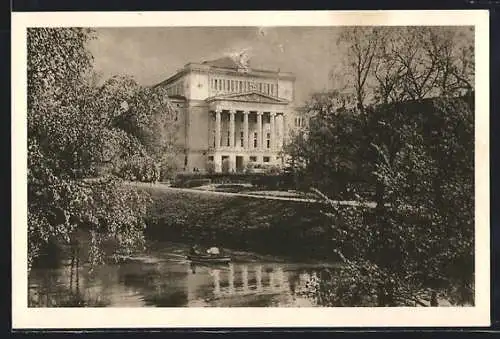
(256, 166)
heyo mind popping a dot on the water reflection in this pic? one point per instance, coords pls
(242, 279)
(172, 283)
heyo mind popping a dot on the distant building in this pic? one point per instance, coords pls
(231, 114)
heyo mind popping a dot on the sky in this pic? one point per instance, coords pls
(151, 55)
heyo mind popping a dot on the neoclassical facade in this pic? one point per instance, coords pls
(231, 114)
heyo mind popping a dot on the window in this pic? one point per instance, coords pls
(214, 137)
(268, 140)
(255, 140)
(211, 158)
(241, 139)
(228, 138)
(215, 83)
(266, 159)
(176, 115)
(241, 86)
(253, 159)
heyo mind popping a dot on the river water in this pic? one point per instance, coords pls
(162, 277)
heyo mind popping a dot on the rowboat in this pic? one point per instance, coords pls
(209, 258)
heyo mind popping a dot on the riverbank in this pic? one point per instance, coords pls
(283, 226)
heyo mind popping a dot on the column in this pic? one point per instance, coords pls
(245, 129)
(232, 162)
(272, 117)
(217, 128)
(280, 125)
(271, 280)
(259, 130)
(283, 129)
(218, 163)
(231, 128)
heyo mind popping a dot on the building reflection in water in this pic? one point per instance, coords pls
(244, 278)
(170, 285)
(254, 279)
(258, 275)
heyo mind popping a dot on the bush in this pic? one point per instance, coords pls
(138, 168)
(168, 168)
(196, 183)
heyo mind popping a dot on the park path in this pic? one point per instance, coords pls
(231, 194)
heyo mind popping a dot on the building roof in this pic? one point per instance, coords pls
(230, 64)
(224, 62)
(252, 96)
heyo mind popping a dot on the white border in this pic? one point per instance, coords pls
(23, 317)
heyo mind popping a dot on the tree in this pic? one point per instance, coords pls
(72, 133)
(415, 150)
(415, 244)
(147, 117)
(329, 152)
(388, 64)
(363, 44)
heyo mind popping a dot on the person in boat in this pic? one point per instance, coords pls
(195, 250)
(213, 250)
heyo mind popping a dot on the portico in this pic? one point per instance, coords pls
(230, 114)
(246, 127)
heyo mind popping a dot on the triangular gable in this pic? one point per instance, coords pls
(249, 97)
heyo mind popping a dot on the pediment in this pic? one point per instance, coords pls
(249, 97)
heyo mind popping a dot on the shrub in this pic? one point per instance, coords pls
(196, 183)
(138, 168)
